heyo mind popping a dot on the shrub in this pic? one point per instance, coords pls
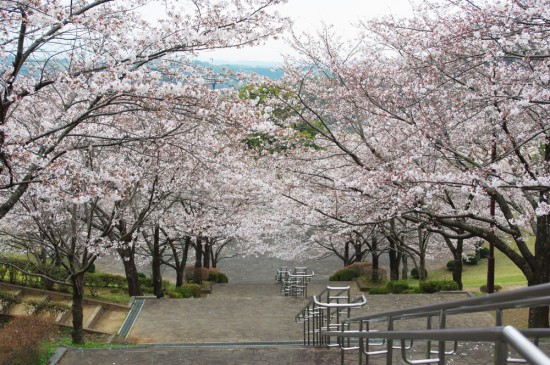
(483, 288)
(484, 252)
(397, 286)
(172, 294)
(434, 286)
(470, 259)
(144, 281)
(414, 273)
(346, 274)
(91, 269)
(100, 279)
(189, 291)
(217, 277)
(379, 290)
(451, 265)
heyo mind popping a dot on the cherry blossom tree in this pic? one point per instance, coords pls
(434, 119)
(66, 65)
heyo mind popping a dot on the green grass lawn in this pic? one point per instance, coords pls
(507, 274)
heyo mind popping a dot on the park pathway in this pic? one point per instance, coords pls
(249, 323)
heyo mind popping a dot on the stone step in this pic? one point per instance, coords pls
(220, 355)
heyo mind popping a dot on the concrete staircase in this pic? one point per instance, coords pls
(98, 316)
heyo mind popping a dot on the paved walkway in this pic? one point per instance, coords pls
(173, 331)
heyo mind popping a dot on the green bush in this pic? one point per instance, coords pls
(217, 277)
(99, 279)
(483, 288)
(470, 259)
(185, 291)
(397, 286)
(346, 274)
(144, 281)
(172, 294)
(413, 290)
(434, 286)
(484, 252)
(91, 269)
(414, 273)
(379, 290)
(451, 265)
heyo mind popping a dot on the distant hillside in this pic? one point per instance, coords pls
(273, 73)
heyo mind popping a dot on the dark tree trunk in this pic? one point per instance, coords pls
(457, 269)
(358, 252)
(538, 317)
(212, 258)
(395, 260)
(132, 278)
(457, 257)
(346, 254)
(77, 309)
(156, 264)
(197, 276)
(206, 254)
(180, 267)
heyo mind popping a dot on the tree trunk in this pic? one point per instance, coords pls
(206, 254)
(457, 257)
(395, 260)
(77, 309)
(180, 270)
(156, 264)
(214, 262)
(405, 269)
(538, 317)
(346, 254)
(197, 276)
(358, 252)
(127, 255)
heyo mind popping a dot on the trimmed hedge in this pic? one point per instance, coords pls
(100, 279)
(217, 277)
(346, 274)
(184, 291)
(434, 286)
(484, 252)
(397, 286)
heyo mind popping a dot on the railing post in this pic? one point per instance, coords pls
(389, 343)
(500, 356)
(429, 343)
(441, 344)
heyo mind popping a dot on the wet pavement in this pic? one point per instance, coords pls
(252, 323)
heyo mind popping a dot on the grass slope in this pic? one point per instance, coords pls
(507, 274)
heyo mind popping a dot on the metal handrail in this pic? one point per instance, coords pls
(533, 295)
(517, 339)
(318, 315)
(502, 336)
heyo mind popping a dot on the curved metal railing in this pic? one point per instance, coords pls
(325, 312)
(501, 336)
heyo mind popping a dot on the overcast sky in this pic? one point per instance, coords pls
(308, 15)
